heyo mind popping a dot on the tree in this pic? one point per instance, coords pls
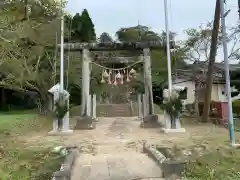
(105, 38)
(197, 48)
(158, 57)
(83, 28)
(137, 33)
(26, 61)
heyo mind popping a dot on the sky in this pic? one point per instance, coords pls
(111, 15)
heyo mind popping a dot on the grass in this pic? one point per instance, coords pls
(19, 160)
(221, 164)
(212, 157)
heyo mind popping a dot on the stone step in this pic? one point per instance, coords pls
(111, 110)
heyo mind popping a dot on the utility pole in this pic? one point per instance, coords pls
(239, 8)
(61, 90)
(212, 56)
(168, 49)
(227, 77)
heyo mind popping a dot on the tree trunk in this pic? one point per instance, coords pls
(196, 102)
(213, 51)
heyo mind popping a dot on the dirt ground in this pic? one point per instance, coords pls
(123, 136)
(125, 133)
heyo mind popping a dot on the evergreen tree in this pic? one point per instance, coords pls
(76, 27)
(87, 32)
(83, 28)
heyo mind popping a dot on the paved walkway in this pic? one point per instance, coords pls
(113, 157)
(123, 166)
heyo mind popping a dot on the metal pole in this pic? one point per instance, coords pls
(62, 56)
(239, 9)
(227, 77)
(168, 48)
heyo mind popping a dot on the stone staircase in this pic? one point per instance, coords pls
(116, 110)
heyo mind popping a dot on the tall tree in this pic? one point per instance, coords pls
(76, 26)
(83, 27)
(88, 31)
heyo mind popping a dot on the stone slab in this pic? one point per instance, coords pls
(60, 133)
(179, 130)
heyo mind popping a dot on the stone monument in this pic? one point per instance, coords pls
(65, 121)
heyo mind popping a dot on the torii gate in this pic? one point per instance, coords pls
(86, 48)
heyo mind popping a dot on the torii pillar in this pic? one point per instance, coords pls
(85, 83)
(86, 121)
(150, 117)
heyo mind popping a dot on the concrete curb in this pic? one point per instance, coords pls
(153, 153)
(170, 168)
(66, 168)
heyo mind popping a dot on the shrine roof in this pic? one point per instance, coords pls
(203, 65)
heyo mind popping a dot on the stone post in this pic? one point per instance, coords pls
(52, 108)
(167, 120)
(89, 105)
(140, 105)
(144, 106)
(65, 124)
(94, 106)
(55, 125)
(85, 81)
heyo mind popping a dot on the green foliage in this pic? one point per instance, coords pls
(138, 33)
(25, 47)
(236, 107)
(61, 107)
(235, 79)
(105, 38)
(220, 164)
(83, 28)
(173, 106)
(141, 33)
(19, 161)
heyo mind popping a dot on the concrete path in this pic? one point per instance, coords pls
(113, 157)
(123, 166)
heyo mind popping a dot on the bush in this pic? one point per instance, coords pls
(236, 107)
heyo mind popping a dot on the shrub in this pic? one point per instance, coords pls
(236, 107)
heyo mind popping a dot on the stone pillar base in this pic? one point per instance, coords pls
(178, 130)
(86, 122)
(60, 132)
(150, 121)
